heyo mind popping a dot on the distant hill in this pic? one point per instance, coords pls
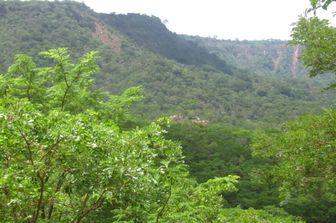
(152, 34)
(263, 57)
(178, 77)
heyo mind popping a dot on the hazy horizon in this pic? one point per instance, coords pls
(241, 19)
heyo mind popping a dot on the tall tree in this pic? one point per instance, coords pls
(63, 156)
(319, 40)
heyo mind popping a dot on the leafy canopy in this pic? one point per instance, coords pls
(319, 40)
(65, 159)
(305, 151)
(63, 156)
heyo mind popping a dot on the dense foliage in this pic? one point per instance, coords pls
(306, 171)
(64, 159)
(217, 150)
(319, 39)
(226, 147)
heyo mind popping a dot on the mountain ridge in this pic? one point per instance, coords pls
(238, 97)
(268, 57)
(151, 33)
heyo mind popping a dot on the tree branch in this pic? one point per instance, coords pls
(165, 204)
(86, 210)
(39, 204)
(28, 146)
(58, 188)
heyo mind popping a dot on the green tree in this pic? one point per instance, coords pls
(305, 150)
(319, 40)
(63, 156)
(198, 203)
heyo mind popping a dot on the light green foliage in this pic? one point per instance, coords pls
(65, 159)
(119, 105)
(306, 153)
(62, 157)
(318, 38)
(236, 215)
(65, 86)
(199, 203)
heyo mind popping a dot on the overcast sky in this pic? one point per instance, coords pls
(226, 19)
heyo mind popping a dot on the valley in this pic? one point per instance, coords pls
(121, 120)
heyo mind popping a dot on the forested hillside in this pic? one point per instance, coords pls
(129, 59)
(152, 34)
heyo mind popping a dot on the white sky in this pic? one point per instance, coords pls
(226, 19)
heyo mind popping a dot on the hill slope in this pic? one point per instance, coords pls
(152, 34)
(206, 91)
(264, 57)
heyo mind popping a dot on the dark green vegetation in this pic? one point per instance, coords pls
(305, 150)
(150, 33)
(217, 150)
(72, 149)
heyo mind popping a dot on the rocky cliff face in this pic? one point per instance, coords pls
(266, 57)
(295, 60)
